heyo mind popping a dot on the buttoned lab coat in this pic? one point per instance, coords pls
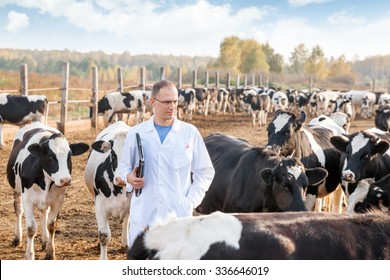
(167, 171)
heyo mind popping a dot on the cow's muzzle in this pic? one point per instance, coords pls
(348, 176)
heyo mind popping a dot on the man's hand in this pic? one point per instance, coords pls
(133, 180)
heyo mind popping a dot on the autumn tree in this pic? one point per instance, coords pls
(315, 65)
(241, 56)
(274, 60)
(341, 71)
(229, 54)
(298, 59)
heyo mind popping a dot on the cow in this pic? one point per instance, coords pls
(267, 236)
(39, 170)
(110, 197)
(136, 101)
(186, 103)
(382, 118)
(370, 194)
(202, 100)
(254, 179)
(260, 104)
(365, 154)
(20, 110)
(279, 101)
(368, 102)
(288, 133)
(325, 100)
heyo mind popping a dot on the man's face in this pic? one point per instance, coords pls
(165, 103)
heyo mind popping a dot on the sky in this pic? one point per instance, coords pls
(355, 29)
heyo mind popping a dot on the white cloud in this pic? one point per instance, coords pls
(343, 19)
(16, 21)
(306, 2)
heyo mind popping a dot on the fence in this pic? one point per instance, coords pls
(93, 102)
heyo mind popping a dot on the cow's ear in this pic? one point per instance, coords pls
(35, 149)
(78, 148)
(381, 147)
(267, 175)
(102, 146)
(316, 175)
(339, 142)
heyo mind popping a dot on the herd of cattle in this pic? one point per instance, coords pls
(301, 163)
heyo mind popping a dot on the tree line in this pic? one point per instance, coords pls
(236, 56)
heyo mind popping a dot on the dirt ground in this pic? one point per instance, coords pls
(76, 237)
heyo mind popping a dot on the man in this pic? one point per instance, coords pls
(177, 170)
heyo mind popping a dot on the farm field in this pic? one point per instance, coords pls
(76, 237)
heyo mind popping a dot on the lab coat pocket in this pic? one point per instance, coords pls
(182, 158)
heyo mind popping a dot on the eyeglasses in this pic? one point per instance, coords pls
(168, 102)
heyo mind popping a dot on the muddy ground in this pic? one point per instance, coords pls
(76, 237)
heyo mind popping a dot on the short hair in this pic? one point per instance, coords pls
(161, 84)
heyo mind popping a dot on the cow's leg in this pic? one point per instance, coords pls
(337, 200)
(43, 215)
(125, 232)
(207, 103)
(318, 205)
(104, 231)
(253, 119)
(52, 226)
(19, 214)
(1, 137)
(31, 230)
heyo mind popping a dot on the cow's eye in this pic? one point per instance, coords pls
(287, 133)
(366, 157)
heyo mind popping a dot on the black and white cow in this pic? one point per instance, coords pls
(186, 103)
(39, 170)
(20, 110)
(311, 144)
(382, 118)
(365, 154)
(202, 100)
(267, 236)
(136, 101)
(370, 194)
(111, 200)
(259, 106)
(254, 179)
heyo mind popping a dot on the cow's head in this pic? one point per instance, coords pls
(358, 152)
(54, 155)
(382, 118)
(287, 184)
(282, 131)
(370, 195)
(114, 147)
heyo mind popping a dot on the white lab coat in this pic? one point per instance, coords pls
(167, 171)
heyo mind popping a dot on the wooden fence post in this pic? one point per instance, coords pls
(162, 73)
(245, 80)
(179, 78)
(311, 84)
(120, 79)
(142, 78)
(217, 79)
(23, 79)
(228, 80)
(95, 97)
(253, 79)
(194, 78)
(64, 98)
(206, 78)
(238, 81)
(260, 80)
